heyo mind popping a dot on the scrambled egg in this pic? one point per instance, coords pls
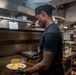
(15, 66)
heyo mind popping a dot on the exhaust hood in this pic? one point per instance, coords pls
(10, 8)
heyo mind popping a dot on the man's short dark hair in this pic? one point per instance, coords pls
(46, 8)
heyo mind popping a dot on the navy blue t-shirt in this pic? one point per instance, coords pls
(52, 41)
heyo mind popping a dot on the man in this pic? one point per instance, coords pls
(50, 45)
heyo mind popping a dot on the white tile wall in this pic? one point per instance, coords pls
(71, 12)
(67, 34)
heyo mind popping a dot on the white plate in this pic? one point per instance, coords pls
(9, 66)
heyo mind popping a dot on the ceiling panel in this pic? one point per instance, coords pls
(59, 2)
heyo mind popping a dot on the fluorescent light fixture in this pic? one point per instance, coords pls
(74, 26)
(65, 27)
(41, 1)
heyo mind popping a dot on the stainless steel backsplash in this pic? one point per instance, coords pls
(13, 42)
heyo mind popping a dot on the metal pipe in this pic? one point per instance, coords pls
(13, 19)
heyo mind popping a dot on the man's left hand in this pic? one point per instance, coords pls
(20, 71)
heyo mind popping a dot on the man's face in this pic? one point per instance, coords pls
(41, 20)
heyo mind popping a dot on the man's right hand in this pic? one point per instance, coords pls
(35, 56)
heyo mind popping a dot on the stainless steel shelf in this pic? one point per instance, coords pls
(14, 19)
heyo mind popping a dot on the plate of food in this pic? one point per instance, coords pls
(15, 66)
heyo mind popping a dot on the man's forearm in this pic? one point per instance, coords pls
(44, 64)
(38, 67)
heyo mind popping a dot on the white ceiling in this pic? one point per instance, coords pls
(35, 3)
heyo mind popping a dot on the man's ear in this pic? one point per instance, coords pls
(43, 13)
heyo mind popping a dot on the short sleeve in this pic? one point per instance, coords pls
(51, 42)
